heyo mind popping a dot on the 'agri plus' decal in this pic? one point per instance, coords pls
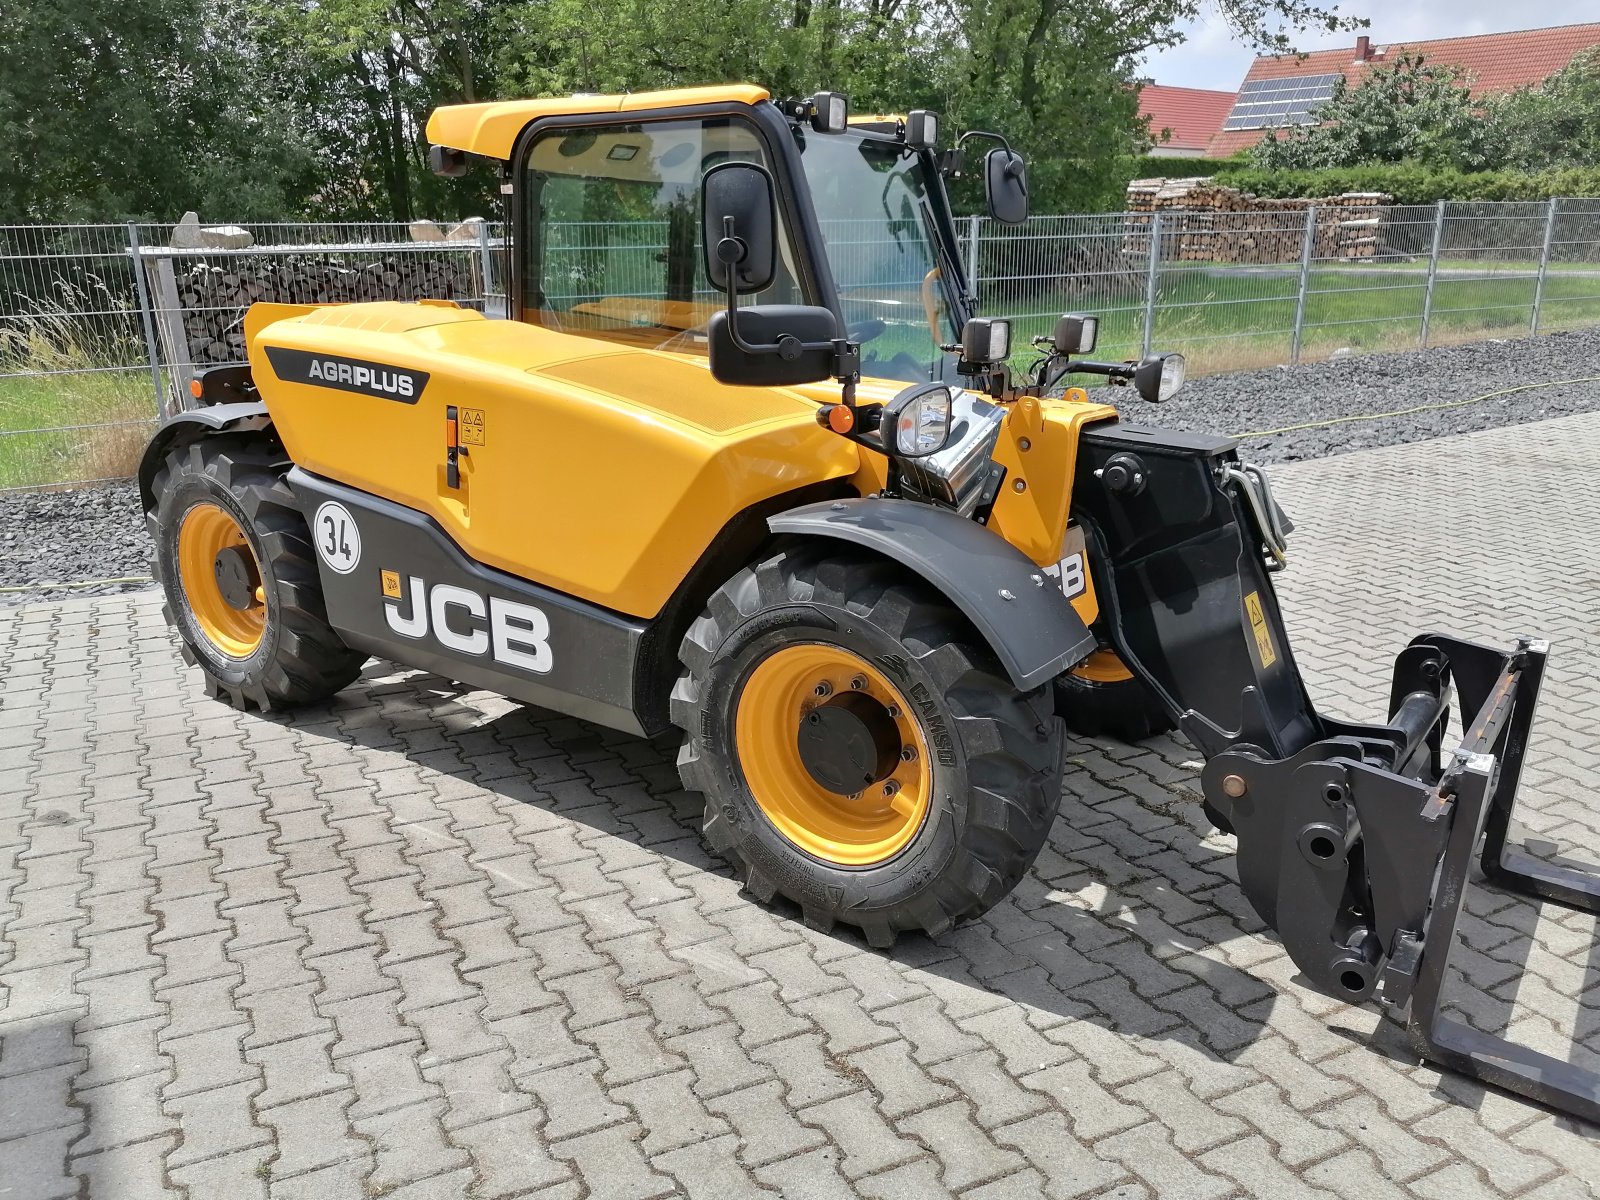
(347, 374)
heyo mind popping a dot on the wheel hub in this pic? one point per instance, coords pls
(237, 579)
(832, 754)
(849, 743)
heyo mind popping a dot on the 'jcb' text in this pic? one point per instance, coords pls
(517, 635)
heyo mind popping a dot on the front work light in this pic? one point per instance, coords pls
(1159, 377)
(1075, 334)
(830, 112)
(986, 340)
(922, 129)
(917, 421)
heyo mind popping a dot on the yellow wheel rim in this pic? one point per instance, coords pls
(207, 531)
(857, 831)
(1103, 666)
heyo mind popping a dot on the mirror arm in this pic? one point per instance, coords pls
(846, 354)
(982, 133)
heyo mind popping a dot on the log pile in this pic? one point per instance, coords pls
(212, 298)
(1205, 221)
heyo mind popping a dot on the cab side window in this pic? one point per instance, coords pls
(613, 220)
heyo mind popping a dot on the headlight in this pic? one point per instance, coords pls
(1075, 334)
(954, 475)
(986, 340)
(917, 421)
(922, 129)
(1159, 377)
(830, 112)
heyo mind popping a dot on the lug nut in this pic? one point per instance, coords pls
(909, 754)
(822, 689)
(894, 711)
(858, 684)
(890, 788)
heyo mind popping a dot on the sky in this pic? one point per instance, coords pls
(1214, 58)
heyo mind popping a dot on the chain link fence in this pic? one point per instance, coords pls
(102, 326)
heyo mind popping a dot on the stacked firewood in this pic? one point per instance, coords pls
(1205, 221)
(212, 298)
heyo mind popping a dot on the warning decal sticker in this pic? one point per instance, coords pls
(1258, 626)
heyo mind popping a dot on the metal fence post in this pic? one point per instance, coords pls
(146, 317)
(1544, 264)
(1152, 277)
(1306, 252)
(1433, 274)
(485, 263)
(974, 227)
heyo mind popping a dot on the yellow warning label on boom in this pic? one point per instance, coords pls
(1258, 626)
(474, 427)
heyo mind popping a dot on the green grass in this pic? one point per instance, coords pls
(86, 420)
(1230, 318)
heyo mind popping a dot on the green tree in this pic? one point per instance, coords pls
(1408, 111)
(1556, 124)
(111, 110)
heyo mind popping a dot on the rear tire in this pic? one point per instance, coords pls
(234, 557)
(1102, 697)
(975, 797)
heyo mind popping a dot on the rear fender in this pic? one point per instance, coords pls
(186, 427)
(1018, 609)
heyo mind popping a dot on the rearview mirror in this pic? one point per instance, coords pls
(1005, 184)
(740, 219)
(774, 345)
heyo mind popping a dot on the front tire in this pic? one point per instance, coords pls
(234, 558)
(809, 676)
(1100, 696)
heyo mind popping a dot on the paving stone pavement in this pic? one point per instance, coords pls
(416, 942)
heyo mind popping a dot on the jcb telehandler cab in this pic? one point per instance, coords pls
(743, 462)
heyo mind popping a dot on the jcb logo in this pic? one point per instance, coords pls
(461, 620)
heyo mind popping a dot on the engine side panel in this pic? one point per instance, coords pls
(397, 587)
(598, 471)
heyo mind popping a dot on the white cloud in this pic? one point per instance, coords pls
(1213, 57)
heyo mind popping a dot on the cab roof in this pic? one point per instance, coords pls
(491, 129)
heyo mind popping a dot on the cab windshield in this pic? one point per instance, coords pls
(872, 201)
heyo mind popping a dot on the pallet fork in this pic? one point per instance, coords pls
(1358, 849)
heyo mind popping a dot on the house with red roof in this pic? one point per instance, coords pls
(1183, 120)
(1287, 89)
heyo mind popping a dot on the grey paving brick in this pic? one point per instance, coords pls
(508, 1155)
(34, 1166)
(313, 1133)
(129, 1172)
(408, 1143)
(812, 1176)
(216, 1123)
(612, 1165)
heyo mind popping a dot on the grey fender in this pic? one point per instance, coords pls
(187, 425)
(1019, 610)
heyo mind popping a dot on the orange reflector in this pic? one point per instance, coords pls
(841, 419)
(449, 431)
(196, 388)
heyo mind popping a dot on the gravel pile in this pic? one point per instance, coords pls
(51, 538)
(1358, 385)
(98, 533)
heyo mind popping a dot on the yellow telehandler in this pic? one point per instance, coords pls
(742, 463)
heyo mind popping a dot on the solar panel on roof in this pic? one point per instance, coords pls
(1269, 103)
